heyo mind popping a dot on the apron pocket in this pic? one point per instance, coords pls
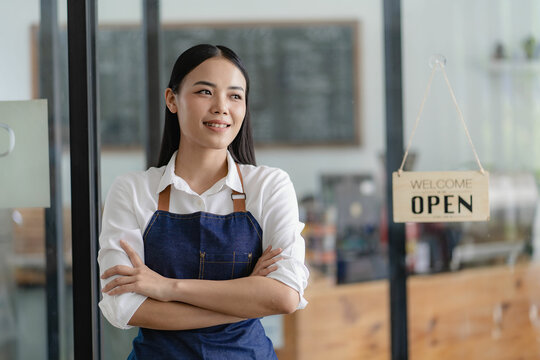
(224, 266)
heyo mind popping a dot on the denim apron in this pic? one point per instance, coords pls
(211, 247)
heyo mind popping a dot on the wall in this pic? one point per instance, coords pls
(15, 80)
(464, 31)
(306, 164)
(311, 161)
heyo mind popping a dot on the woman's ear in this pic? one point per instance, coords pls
(170, 100)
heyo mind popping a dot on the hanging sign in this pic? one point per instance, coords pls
(444, 196)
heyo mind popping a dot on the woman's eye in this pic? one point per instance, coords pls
(237, 97)
(204, 91)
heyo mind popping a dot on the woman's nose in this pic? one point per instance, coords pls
(219, 106)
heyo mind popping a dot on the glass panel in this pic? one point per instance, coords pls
(122, 114)
(24, 140)
(23, 311)
(337, 171)
(480, 293)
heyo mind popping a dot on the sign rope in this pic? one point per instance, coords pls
(439, 65)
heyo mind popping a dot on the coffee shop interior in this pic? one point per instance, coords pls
(333, 83)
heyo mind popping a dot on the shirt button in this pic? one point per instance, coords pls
(200, 203)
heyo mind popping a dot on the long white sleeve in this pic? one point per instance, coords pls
(119, 222)
(282, 230)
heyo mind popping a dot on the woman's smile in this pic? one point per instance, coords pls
(217, 125)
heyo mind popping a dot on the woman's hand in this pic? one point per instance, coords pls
(139, 279)
(265, 264)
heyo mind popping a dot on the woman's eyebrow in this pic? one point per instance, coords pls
(207, 83)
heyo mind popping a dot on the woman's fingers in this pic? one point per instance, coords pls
(272, 261)
(274, 252)
(138, 279)
(267, 250)
(118, 270)
(123, 269)
(269, 256)
(119, 281)
(267, 270)
(123, 289)
(265, 264)
(133, 256)
(269, 253)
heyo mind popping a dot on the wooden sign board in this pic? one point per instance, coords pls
(445, 196)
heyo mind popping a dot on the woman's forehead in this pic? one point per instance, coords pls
(218, 70)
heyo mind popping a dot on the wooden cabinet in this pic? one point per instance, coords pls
(488, 313)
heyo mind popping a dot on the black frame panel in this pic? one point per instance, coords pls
(154, 122)
(85, 184)
(394, 153)
(54, 256)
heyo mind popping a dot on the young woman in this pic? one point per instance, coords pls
(182, 243)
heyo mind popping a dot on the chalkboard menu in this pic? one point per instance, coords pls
(303, 78)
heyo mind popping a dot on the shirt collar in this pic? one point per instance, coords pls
(168, 176)
(232, 180)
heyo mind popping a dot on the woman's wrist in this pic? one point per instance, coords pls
(174, 292)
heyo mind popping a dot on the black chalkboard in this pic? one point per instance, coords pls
(303, 78)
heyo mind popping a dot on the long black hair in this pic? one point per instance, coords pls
(241, 148)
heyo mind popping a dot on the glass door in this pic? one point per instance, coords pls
(473, 286)
(35, 205)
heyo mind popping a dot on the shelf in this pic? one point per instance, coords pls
(514, 66)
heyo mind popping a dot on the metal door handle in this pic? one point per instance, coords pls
(11, 140)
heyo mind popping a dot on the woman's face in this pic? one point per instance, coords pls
(210, 104)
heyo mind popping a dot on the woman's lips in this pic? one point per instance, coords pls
(216, 125)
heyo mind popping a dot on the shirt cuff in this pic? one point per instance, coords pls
(119, 309)
(286, 275)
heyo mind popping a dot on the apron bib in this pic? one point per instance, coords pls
(210, 247)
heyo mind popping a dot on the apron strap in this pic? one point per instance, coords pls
(164, 199)
(239, 199)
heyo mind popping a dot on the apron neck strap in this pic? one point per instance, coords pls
(239, 199)
(164, 199)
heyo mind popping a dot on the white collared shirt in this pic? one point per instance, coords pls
(133, 198)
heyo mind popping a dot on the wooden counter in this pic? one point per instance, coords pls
(488, 313)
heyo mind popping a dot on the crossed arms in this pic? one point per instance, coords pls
(182, 304)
